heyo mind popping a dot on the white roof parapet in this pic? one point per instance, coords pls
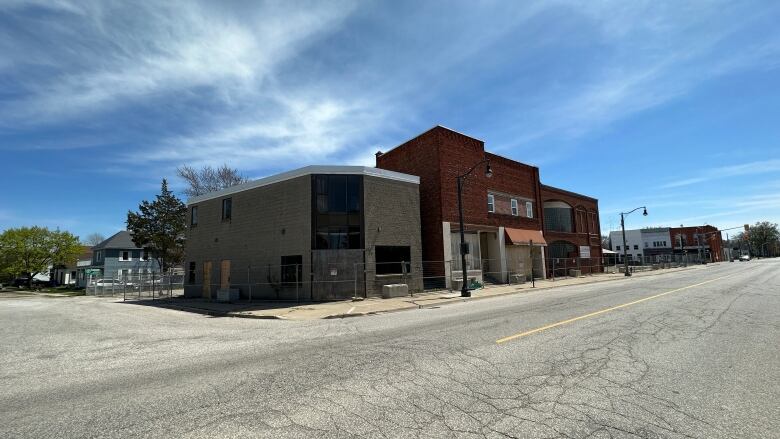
(307, 170)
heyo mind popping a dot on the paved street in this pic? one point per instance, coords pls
(692, 353)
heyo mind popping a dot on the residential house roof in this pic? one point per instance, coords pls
(120, 240)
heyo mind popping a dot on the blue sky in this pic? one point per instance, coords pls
(674, 105)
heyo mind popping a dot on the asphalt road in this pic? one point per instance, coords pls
(687, 354)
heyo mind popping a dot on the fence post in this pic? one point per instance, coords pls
(152, 285)
(553, 269)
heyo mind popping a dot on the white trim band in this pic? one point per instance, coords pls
(307, 170)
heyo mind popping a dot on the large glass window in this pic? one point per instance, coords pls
(557, 217)
(338, 209)
(393, 260)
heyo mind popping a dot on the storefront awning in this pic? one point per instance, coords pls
(524, 237)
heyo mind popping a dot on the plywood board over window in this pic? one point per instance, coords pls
(224, 274)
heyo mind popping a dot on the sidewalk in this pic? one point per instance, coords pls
(349, 308)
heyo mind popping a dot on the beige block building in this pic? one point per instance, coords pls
(314, 233)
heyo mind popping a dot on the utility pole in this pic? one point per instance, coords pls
(464, 291)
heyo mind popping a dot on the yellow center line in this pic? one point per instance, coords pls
(603, 311)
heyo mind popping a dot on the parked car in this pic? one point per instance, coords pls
(107, 283)
(744, 258)
(20, 282)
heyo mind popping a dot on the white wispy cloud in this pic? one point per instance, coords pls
(106, 55)
(751, 168)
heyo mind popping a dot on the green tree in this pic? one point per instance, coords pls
(29, 251)
(761, 236)
(159, 227)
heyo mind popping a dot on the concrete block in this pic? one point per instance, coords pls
(395, 290)
(574, 272)
(228, 295)
(457, 284)
(516, 278)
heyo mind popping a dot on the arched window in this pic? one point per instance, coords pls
(557, 217)
(562, 249)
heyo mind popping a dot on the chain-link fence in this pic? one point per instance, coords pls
(153, 285)
(338, 279)
(301, 282)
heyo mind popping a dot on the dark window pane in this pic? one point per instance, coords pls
(557, 219)
(227, 207)
(321, 184)
(322, 239)
(393, 260)
(353, 193)
(322, 203)
(191, 273)
(292, 270)
(337, 193)
(354, 237)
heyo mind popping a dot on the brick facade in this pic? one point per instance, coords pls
(587, 229)
(439, 155)
(712, 240)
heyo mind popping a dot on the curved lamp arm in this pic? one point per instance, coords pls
(488, 171)
(632, 211)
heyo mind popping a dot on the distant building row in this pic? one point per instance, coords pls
(654, 243)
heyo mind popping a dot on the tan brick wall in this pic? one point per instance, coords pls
(267, 222)
(392, 217)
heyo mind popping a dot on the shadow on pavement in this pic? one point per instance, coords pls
(215, 309)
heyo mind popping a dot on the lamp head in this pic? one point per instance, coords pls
(644, 212)
(488, 170)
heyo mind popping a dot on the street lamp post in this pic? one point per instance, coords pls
(464, 290)
(623, 227)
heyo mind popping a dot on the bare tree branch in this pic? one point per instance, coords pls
(208, 179)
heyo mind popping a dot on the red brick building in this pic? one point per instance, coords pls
(503, 215)
(686, 240)
(572, 229)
